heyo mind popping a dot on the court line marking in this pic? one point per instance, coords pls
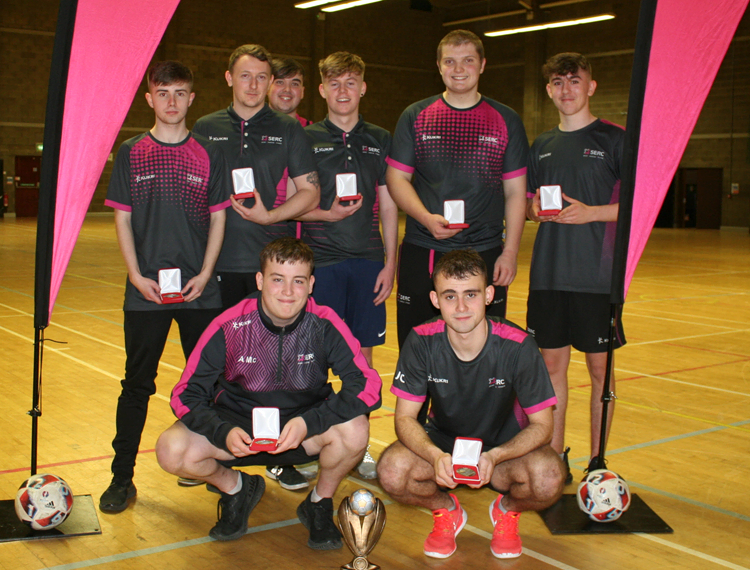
(711, 350)
(622, 402)
(292, 522)
(117, 347)
(107, 283)
(701, 324)
(686, 337)
(700, 386)
(702, 317)
(689, 501)
(638, 375)
(685, 298)
(528, 552)
(584, 460)
(687, 550)
(83, 363)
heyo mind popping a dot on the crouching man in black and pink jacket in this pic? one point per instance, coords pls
(273, 349)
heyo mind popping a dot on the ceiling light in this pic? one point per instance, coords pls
(347, 5)
(599, 18)
(313, 3)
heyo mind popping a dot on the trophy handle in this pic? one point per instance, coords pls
(346, 527)
(377, 525)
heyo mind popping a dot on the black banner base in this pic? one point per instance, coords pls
(564, 517)
(82, 520)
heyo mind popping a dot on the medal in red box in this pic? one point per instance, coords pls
(243, 182)
(346, 187)
(265, 429)
(550, 198)
(170, 285)
(453, 211)
(466, 453)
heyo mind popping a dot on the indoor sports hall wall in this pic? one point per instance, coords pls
(398, 44)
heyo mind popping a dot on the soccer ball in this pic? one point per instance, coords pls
(362, 502)
(44, 501)
(603, 495)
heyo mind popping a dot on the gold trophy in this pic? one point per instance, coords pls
(361, 520)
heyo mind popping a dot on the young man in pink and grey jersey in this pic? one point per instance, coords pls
(486, 380)
(170, 194)
(571, 267)
(459, 145)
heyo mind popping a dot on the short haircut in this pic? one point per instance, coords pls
(287, 250)
(461, 264)
(340, 63)
(169, 73)
(283, 67)
(254, 50)
(565, 63)
(459, 38)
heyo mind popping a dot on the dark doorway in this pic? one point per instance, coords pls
(697, 198)
(28, 169)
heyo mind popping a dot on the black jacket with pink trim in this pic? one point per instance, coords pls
(243, 361)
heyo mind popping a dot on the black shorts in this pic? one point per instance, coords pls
(558, 319)
(413, 305)
(235, 286)
(296, 456)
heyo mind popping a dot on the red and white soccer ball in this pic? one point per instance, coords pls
(603, 495)
(44, 501)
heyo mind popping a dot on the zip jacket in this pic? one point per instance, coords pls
(243, 361)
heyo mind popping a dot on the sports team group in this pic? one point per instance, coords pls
(289, 282)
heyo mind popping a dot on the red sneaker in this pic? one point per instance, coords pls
(505, 540)
(441, 542)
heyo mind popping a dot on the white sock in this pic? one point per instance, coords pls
(314, 497)
(238, 486)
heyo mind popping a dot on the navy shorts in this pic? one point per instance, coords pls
(558, 319)
(348, 287)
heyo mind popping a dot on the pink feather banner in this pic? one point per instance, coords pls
(113, 43)
(689, 42)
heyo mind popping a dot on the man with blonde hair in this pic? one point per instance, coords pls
(344, 234)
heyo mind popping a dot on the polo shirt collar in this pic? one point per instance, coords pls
(259, 115)
(338, 131)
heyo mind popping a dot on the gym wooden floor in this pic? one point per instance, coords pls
(681, 433)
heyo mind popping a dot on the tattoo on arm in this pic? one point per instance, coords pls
(312, 178)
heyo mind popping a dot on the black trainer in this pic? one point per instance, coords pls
(233, 510)
(115, 499)
(318, 519)
(288, 477)
(568, 474)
